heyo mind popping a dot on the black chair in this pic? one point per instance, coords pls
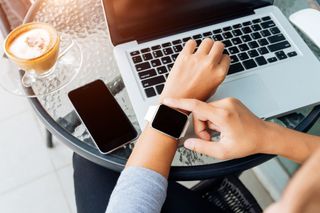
(5, 28)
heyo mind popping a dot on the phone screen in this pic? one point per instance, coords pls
(106, 122)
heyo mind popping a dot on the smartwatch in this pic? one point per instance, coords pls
(168, 121)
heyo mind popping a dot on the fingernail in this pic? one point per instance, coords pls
(189, 144)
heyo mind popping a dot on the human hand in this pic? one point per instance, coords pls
(303, 192)
(241, 132)
(197, 74)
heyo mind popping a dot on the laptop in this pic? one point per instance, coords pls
(272, 70)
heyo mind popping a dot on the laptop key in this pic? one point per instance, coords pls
(256, 27)
(292, 54)
(159, 88)
(261, 61)
(243, 56)
(156, 63)
(237, 26)
(234, 68)
(233, 50)
(256, 35)
(266, 18)
(207, 34)
(143, 66)
(227, 35)
(236, 41)
(234, 59)
(166, 60)
(263, 42)
(177, 48)
(168, 51)
(276, 38)
(265, 33)
(153, 81)
(227, 43)
(186, 39)
(253, 53)
(217, 37)
(174, 57)
(243, 47)
(147, 74)
(145, 50)
(168, 44)
(226, 52)
(247, 23)
(246, 38)
(217, 31)
(169, 66)
(267, 24)
(162, 70)
(177, 42)
(248, 64)
(281, 55)
(157, 54)
(263, 50)
(198, 36)
(198, 42)
(237, 32)
(279, 46)
(253, 44)
(256, 21)
(275, 30)
(273, 59)
(150, 92)
(137, 59)
(227, 28)
(156, 47)
(134, 53)
(246, 30)
(147, 56)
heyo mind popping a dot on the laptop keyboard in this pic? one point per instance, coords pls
(249, 44)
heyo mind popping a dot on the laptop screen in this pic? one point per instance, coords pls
(146, 19)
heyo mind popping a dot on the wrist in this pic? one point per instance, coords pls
(270, 138)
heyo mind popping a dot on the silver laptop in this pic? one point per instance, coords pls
(272, 70)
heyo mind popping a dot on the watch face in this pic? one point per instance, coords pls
(169, 121)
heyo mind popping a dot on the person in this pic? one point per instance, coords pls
(142, 185)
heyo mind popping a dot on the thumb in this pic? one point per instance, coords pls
(210, 148)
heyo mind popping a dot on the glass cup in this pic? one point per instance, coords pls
(45, 49)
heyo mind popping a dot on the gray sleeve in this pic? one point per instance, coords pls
(138, 190)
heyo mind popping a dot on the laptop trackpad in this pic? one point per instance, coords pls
(252, 92)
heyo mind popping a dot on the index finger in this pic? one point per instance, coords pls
(189, 47)
(202, 110)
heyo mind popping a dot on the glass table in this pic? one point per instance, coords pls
(84, 21)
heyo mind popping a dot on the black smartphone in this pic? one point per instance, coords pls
(103, 117)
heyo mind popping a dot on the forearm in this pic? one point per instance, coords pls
(154, 151)
(288, 143)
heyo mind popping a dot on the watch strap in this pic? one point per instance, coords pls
(151, 113)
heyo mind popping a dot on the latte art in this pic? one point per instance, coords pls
(31, 44)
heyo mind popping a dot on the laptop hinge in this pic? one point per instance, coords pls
(159, 35)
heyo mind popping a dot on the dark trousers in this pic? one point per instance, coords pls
(94, 185)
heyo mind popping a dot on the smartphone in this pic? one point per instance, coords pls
(106, 122)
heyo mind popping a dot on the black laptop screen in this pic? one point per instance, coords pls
(144, 19)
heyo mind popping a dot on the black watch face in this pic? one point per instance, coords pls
(169, 121)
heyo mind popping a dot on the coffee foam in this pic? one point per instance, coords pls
(31, 44)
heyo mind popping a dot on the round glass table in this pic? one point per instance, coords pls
(84, 22)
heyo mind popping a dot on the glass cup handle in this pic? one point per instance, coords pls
(66, 50)
(30, 77)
